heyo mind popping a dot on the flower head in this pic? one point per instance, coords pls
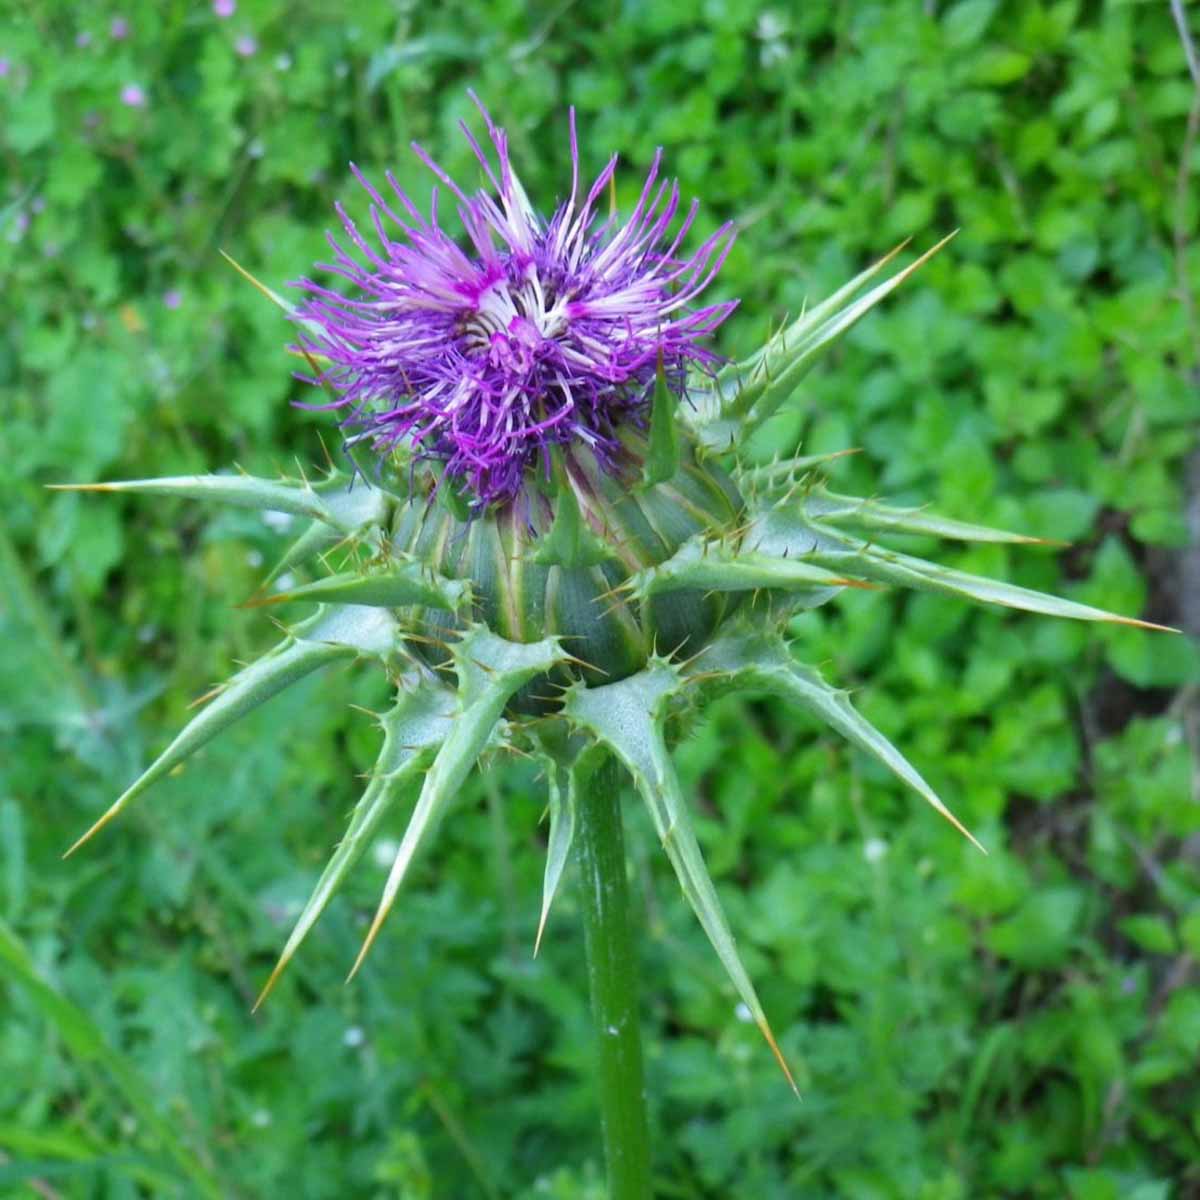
(575, 629)
(133, 96)
(531, 333)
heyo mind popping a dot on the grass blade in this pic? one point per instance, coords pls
(86, 1041)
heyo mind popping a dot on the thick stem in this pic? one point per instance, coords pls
(612, 974)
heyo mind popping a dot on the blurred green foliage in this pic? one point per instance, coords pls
(1025, 1024)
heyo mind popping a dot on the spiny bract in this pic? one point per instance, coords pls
(552, 544)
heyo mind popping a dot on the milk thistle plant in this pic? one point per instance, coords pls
(547, 537)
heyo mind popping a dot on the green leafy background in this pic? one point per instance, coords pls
(1025, 1024)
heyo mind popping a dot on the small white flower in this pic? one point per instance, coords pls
(770, 27)
(384, 853)
(276, 520)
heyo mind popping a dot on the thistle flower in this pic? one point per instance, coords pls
(559, 549)
(542, 333)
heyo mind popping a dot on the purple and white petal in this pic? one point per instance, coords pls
(548, 333)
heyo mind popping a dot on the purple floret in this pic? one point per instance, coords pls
(537, 334)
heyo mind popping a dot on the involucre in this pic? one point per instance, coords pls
(548, 536)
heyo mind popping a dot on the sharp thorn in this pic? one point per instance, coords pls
(83, 487)
(95, 829)
(368, 941)
(214, 691)
(261, 601)
(269, 986)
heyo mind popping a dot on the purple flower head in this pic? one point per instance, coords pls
(246, 46)
(133, 96)
(224, 8)
(119, 29)
(530, 334)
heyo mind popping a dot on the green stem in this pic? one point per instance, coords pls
(612, 974)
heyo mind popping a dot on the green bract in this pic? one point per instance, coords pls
(577, 623)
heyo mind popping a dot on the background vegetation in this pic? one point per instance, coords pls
(1025, 1024)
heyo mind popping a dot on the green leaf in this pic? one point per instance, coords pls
(86, 1041)
(715, 414)
(806, 323)
(558, 845)
(1189, 930)
(571, 541)
(333, 504)
(966, 22)
(787, 472)
(327, 637)
(628, 718)
(315, 540)
(401, 584)
(885, 566)
(715, 567)
(763, 662)
(754, 390)
(88, 414)
(567, 770)
(1000, 65)
(826, 506)
(779, 378)
(351, 504)
(385, 472)
(490, 670)
(1150, 931)
(1039, 934)
(662, 454)
(412, 730)
(452, 498)
(29, 119)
